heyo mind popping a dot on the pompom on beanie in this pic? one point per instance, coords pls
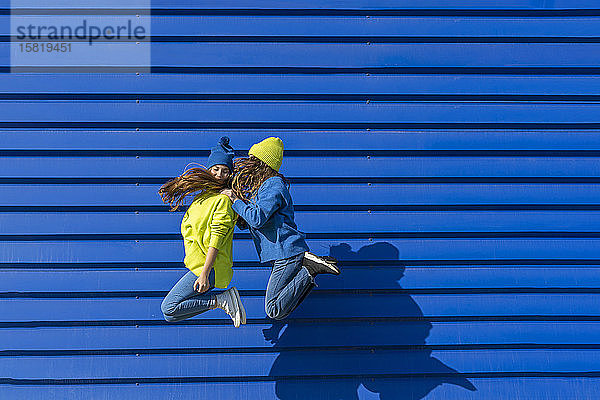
(269, 151)
(221, 154)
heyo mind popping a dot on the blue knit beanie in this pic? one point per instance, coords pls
(221, 154)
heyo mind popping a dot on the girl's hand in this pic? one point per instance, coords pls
(243, 225)
(229, 193)
(201, 285)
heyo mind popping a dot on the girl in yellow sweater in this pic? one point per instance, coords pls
(207, 230)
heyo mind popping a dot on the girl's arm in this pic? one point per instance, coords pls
(240, 222)
(269, 200)
(202, 284)
(223, 219)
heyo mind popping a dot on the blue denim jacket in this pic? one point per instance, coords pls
(270, 217)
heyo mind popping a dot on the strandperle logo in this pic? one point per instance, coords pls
(80, 36)
(84, 31)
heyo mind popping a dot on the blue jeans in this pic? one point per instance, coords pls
(184, 302)
(288, 285)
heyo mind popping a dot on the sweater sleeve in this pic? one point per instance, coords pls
(268, 200)
(223, 219)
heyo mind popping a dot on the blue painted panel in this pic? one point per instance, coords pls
(374, 55)
(390, 277)
(366, 55)
(199, 141)
(344, 26)
(311, 363)
(374, 25)
(468, 334)
(170, 251)
(529, 388)
(296, 112)
(399, 222)
(325, 167)
(323, 195)
(339, 306)
(331, 85)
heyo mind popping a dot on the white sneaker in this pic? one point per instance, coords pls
(227, 302)
(240, 305)
(320, 265)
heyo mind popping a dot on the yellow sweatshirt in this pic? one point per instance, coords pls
(209, 222)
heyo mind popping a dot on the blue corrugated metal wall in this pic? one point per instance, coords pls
(445, 151)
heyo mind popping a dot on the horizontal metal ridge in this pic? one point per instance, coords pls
(272, 378)
(284, 349)
(316, 292)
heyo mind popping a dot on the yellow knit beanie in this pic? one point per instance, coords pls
(269, 151)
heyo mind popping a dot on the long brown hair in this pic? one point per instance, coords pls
(249, 174)
(192, 180)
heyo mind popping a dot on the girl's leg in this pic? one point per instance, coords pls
(288, 285)
(183, 302)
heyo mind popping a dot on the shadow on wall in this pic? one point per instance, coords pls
(349, 352)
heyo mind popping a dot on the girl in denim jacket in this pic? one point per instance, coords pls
(261, 198)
